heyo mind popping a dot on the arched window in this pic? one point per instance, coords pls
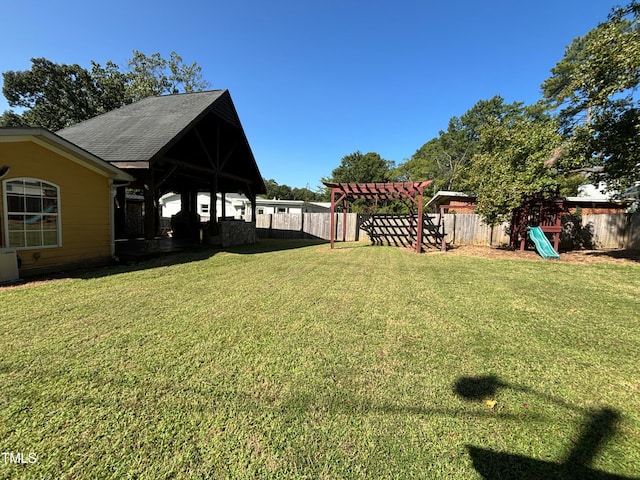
(31, 212)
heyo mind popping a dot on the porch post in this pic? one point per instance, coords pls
(213, 206)
(223, 201)
(253, 208)
(193, 202)
(149, 210)
(121, 213)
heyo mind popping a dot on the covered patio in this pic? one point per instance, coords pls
(185, 143)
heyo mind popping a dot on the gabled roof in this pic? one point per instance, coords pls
(63, 147)
(137, 132)
(443, 197)
(190, 130)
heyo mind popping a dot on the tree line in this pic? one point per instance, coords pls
(56, 96)
(584, 129)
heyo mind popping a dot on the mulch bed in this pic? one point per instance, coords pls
(628, 257)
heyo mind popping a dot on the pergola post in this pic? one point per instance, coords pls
(344, 219)
(333, 216)
(420, 223)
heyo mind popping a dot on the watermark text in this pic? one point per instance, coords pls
(19, 457)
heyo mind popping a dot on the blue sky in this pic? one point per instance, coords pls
(315, 80)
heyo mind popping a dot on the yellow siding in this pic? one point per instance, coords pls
(84, 204)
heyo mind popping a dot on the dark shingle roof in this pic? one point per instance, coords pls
(139, 131)
(189, 140)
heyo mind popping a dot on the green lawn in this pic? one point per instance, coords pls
(291, 360)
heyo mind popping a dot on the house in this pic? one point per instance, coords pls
(235, 205)
(238, 207)
(594, 206)
(188, 143)
(445, 201)
(458, 202)
(266, 206)
(66, 197)
(56, 201)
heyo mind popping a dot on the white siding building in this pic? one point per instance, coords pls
(238, 206)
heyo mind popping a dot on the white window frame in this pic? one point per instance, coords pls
(6, 214)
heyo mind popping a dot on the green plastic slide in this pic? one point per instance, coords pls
(543, 246)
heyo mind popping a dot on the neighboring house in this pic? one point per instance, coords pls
(56, 200)
(594, 192)
(238, 207)
(265, 206)
(235, 205)
(592, 206)
(458, 202)
(452, 202)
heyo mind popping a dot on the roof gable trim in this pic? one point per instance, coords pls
(66, 149)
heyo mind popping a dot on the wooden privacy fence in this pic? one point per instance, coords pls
(306, 225)
(599, 231)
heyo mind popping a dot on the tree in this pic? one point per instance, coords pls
(364, 168)
(285, 192)
(517, 157)
(306, 195)
(442, 159)
(359, 168)
(153, 75)
(279, 192)
(594, 88)
(55, 96)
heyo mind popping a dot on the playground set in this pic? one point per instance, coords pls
(538, 216)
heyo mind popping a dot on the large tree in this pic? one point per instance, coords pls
(285, 192)
(594, 88)
(442, 159)
(154, 75)
(362, 168)
(55, 96)
(516, 157)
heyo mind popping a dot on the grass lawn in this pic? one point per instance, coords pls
(291, 360)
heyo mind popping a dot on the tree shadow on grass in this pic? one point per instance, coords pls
(632, 255)
(274, 245)
(600, 427)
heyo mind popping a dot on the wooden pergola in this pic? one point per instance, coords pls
(412, 192)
